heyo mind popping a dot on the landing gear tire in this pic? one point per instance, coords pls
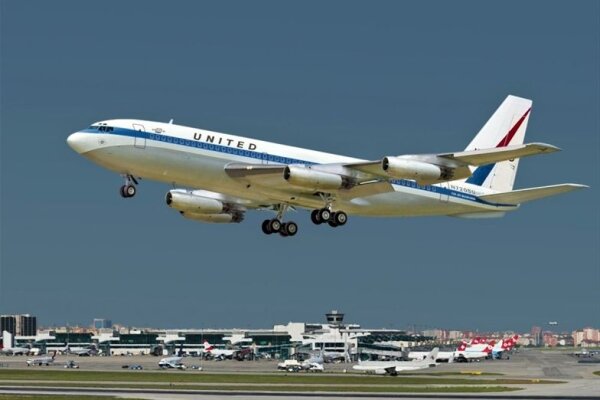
(274, 225)
(332, 223)
(291, 228)
(128, 191)
(340, 218)
(315, 217)
(324, 214)
(266, 227)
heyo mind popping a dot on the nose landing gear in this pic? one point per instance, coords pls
(129, 189)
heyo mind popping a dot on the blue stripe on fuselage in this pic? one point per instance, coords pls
(279, 159)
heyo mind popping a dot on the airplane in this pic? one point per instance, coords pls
(172, 362)
(218, 353)
(90, 350)
(45, 360)
(466, 353)
(229, 175)
(492, 348)
(461, 354)
(8, 348)
(393, 367)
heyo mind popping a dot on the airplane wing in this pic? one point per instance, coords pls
(304, 181)
(443, 167)
(490, 156)
(364, 178)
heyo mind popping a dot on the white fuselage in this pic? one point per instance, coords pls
(196, 158)
(383, 367)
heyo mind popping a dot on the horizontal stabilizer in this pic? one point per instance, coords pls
(525, 195)
(493, 155)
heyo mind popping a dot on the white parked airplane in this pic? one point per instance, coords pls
(217, 353)
(91, 350)
(230, 174)
(393, 367)
(8, 348)
(171, 362)
(45, 360)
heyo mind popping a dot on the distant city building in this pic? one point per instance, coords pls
(550, 339)
(19, 324)
(586, 337)
(8, 323)
(455, 335)
(536, 335)
(102, 323)
(439, 334)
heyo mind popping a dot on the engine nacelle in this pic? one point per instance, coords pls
(305, 177)
(225, 218)
(188, 202)
(400, 168)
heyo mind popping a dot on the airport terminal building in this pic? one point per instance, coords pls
(279, 342)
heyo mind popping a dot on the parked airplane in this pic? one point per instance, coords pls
(466, 353)
(9, 348)
(45, 360)
(172, 362)
(493, 348)
(393, 367)
(461, 354)
(217, 353)
(90, 350)
(234, 174)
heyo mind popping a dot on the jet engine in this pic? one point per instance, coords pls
(400, 168)
(189, 202)
(305, 177)
(225, 218)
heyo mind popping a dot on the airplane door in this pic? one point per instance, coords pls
(139, 140)
(445, 192)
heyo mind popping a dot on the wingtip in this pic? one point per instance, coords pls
(578, 186)
(545, 147)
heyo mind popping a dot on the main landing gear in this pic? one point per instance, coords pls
(325, 215)
(275, 225)
(129, 189)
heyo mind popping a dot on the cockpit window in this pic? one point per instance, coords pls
(102, 127)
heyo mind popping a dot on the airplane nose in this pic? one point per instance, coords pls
(77, 141)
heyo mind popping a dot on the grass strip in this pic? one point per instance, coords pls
(56, 397)
(302, 389)
(299, 379)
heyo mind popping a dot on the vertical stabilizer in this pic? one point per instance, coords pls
(507, 126)
(7, 339)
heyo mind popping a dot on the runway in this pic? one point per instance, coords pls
(581, 390)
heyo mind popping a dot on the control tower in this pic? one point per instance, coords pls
(335, 318)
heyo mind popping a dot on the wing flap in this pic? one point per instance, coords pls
(497, 154)
(525, 195)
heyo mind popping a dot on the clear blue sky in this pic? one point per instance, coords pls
(366, 79)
